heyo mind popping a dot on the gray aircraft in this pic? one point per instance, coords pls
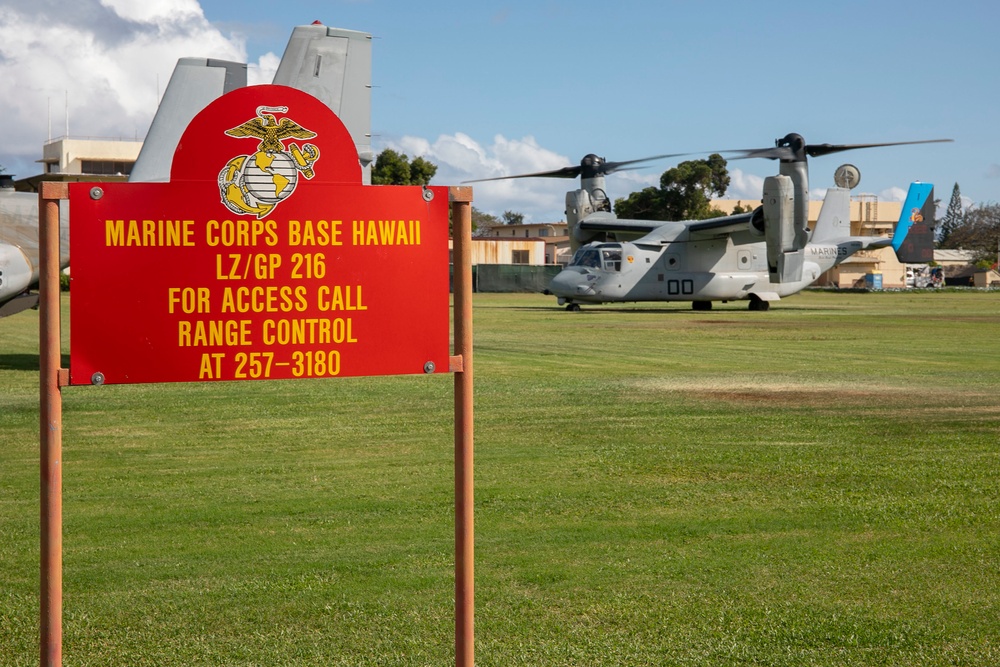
(758, 257)
(19, 247)
(331, 64)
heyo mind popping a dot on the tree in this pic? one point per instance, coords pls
(952, 219)
(481, 222)
(512, 218)
(685, 193)
(421, 171)
(392, 168)
(979, 232)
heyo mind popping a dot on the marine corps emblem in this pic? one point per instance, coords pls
(255, 184)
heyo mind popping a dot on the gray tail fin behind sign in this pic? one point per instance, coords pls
(195, 83)
(335, 66)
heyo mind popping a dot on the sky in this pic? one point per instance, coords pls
(499, 88)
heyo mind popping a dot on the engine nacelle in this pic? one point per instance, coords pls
(15, 271)
(757, 225)
(578, 206)
(784, 259)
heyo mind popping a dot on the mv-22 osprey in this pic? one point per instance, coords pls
(758, 257)
(332, 64)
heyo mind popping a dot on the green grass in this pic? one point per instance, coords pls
(814, 485)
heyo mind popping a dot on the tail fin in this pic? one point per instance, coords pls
(331, 64)
(913, 239)
(335, 66)
(834, 220)
(195, 83)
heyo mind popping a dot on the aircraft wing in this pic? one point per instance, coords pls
(607, 222)
(714, 227)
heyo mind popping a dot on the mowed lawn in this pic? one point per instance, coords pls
(814, 485)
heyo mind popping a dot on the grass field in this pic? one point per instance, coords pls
(814, 485)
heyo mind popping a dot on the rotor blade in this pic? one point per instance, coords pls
(773, 153)
(816, 150)
(611, 167)
(573, 172)
(565, 172)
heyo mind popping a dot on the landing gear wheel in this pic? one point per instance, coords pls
(758, 304)
(701, 305)
(573, 307)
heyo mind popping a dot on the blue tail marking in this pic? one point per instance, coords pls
(913, 211)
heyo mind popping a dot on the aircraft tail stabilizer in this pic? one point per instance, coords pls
(334, 65)
(913, 239)
(834, 220)
(195, 83)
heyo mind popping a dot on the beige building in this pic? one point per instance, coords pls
(986, 279)
(72, 160)
(96, 157)
(553, 236)
(507, 251)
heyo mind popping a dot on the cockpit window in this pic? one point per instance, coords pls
(608, 258)
(612, 259)
(587, 257)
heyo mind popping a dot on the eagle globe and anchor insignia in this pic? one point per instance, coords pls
(255, 184)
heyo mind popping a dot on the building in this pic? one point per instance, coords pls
(989, 278)
(95, 157)
(487, 250)
(553, 235)
(70, 160)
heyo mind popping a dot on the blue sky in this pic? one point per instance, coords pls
(486, 89)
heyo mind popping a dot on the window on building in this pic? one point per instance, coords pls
(520, 256)
(106, 167)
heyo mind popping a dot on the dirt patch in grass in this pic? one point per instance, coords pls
(790, 392)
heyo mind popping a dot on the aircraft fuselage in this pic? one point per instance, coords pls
(724, 269)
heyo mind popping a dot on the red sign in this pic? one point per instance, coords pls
(263, 257)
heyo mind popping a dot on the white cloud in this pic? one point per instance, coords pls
(745, 186)
(106, 61)
(893, 194)
(460, 158)
(149, 11)
(263, 70)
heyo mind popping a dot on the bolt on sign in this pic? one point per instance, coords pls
(263, 257)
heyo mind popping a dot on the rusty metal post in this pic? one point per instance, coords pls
(461, 217)
(50, 410)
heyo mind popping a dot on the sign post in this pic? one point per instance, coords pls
(51, 380)
(222, 274)
(461, 208)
